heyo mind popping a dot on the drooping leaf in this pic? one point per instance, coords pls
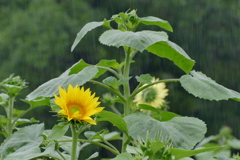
(24, 139)
(58, 131)
(50, 88)
(183, 132)
(171, 51)
(113, 118)
(88, 27)
(150, 20)
(138, 40)
(181, 153)
(201, 86)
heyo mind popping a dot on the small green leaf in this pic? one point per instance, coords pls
(24, 121)
(183, 132)
(138, 40)
(150, 20)
(112, 81)
(149, 108)
(144, 78)
(38, 102)
(171, 51)
(114, 119)
(181, 153)
(94, 155)
(123, 156)
(201, 86)
(3, 119)
(88, 27)
(58, 131)
(50, 88)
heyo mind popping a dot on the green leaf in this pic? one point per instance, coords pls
(31, 153)
(201, 86)
(138, 40)
(113, 118)
(38, 102)
(144, 78)
(221, 157)
(50, 88)
(123, 156)
(150, 20)
(112, 81)
(24, 121)
(94, 155)
(24, 139)
(149, 108)
(79, 66)
(181, 153)
(86, 28)
(58, 131)
(171, 51)
(183, 132)
(234, 143)
(3, 98)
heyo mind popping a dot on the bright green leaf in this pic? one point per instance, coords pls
(114, 119)
(58, 131)
(150, 20)
(183, 132)
(88, 27)
(201, 86)
(50, 88)
(171, 51)
(138, 40)
(234, 143)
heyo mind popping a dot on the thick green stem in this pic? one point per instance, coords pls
(74, 142)
(126, 90)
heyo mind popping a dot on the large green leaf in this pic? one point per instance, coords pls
(183, 132)
(88, 27)
(113, 118)
(138, 40)
(201, 86)
(24, 139)
(171, 51)
(50, 88)
(150, 20)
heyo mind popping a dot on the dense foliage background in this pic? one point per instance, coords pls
(36, 37)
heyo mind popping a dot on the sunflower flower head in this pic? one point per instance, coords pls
(77, 104)
(153, 96)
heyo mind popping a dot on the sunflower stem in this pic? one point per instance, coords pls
(126, 90)
(74, 141)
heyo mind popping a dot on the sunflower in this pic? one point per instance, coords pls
(153, 96)
(77, 104)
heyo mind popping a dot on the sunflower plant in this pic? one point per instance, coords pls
(147, 130)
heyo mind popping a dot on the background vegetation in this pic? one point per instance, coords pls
(36, 36)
